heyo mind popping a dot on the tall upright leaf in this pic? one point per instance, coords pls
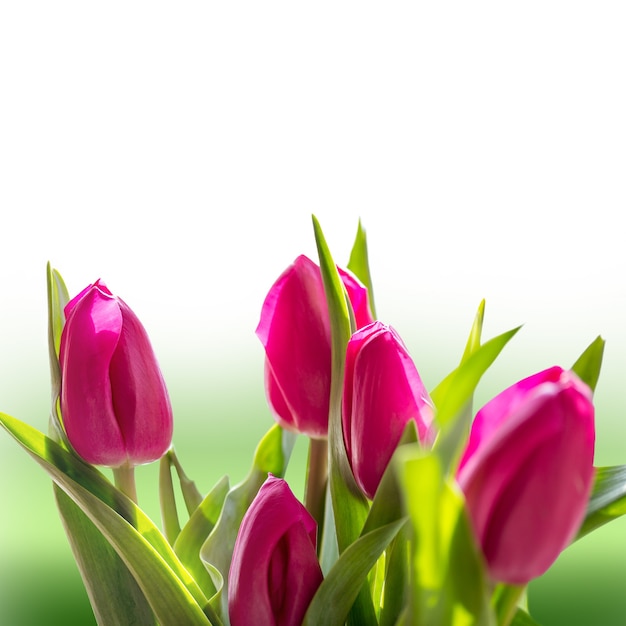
(349, 505)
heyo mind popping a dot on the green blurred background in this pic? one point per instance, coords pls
(178, 153)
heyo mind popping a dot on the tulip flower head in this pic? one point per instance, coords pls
(295, 331)
(382, 393)
(115, 406)
(274, 570)
(527, 472)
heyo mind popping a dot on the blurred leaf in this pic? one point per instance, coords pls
(349, 505)
(193, 535)
(521, 618)
(448, 583)
(589, 363)
(359, 264)
(271, 457)
(397, 578)
(167, 586)
(334, 598)
(608, 498)
(509, 602)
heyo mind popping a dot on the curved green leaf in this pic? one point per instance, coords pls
(453, 396)
(193, 535)
(341, 586)
(170, 590)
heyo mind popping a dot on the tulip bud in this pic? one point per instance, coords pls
(382, 392)
(274, 571)
(527, 472)
(295, 330)
(115, 406)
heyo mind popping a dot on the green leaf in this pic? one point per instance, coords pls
(589, 363)
(114, 594)
(608, 498)
(193, 535)
(359, 264)
(521, 618)
(508, 601)
(271, 457)
(349, 505)
(58, 297)
(453, 396)
(337, 593)
(448, 581)
(473, 341)
(167, 498)
(169, 589)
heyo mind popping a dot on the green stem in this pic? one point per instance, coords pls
(316, 479)
(124, 477)
(506, 599)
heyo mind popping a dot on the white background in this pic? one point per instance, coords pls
(178, 150)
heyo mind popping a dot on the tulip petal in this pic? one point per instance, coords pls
(529, 473)
(274, 570)
(140, 399)
(88, 342)
(294, 329)
(382, 392)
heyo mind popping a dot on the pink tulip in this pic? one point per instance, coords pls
(115, 406)
(527, 472)
(274, 572)
(382, 392)
(295, 330)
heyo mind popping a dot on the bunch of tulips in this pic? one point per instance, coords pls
(416, 510)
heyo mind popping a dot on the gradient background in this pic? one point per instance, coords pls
(178, 152)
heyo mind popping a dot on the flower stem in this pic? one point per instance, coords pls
(124, 477)
(506, 600)
(316, 478)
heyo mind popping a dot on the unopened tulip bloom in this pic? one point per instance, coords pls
(115, 406)
(274, 571)
(382, 392)
(527, 472)
(295, 331)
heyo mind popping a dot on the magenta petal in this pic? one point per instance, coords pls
(528, 476)
(295, 331)
(274, 570)
(140, 399)
(382, 393)
(90, 337)
(114, 402)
